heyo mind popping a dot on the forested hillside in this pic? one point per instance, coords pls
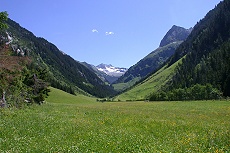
(21, 79)
(207, 52)
(64, 72)
(204, 68)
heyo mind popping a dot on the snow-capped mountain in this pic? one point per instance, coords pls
(111, 70)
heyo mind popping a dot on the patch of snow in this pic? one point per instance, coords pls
(111, 70)
(10, 39)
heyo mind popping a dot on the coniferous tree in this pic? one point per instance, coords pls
(3, 19)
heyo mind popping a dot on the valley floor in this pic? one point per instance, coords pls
(67, 123)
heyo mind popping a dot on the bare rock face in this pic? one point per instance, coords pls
(175, 34)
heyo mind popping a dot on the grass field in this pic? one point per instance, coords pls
(123, 86)
(150, 85)
(69, 123)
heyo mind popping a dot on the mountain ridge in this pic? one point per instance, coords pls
(175, 34)
(111, 70)
(65, 71)
(200, 66)
(153, 60)
(102, 71)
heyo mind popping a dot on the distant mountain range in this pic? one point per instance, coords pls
(173, 38)
(187, 60)
(107, 72)
(111, 70)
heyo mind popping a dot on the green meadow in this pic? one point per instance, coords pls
(67, 123)
(152, 84)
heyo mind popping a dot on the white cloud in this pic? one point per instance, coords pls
(94, 30)
(109, 33)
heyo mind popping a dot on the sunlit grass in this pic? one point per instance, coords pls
(58, 96)
(152, 84)
(123, 86)
(200, 126)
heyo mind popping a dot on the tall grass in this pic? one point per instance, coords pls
(75, 126)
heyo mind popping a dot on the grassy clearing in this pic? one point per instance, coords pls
(150, 85)
(123, 86)
(59, 97)
(89, 126)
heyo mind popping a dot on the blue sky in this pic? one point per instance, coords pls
(117, 32)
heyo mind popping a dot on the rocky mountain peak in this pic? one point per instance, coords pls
(175, 34)
(103, 66)
(111, 70)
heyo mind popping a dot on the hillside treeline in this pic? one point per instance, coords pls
(196, 92)
(207, 53)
